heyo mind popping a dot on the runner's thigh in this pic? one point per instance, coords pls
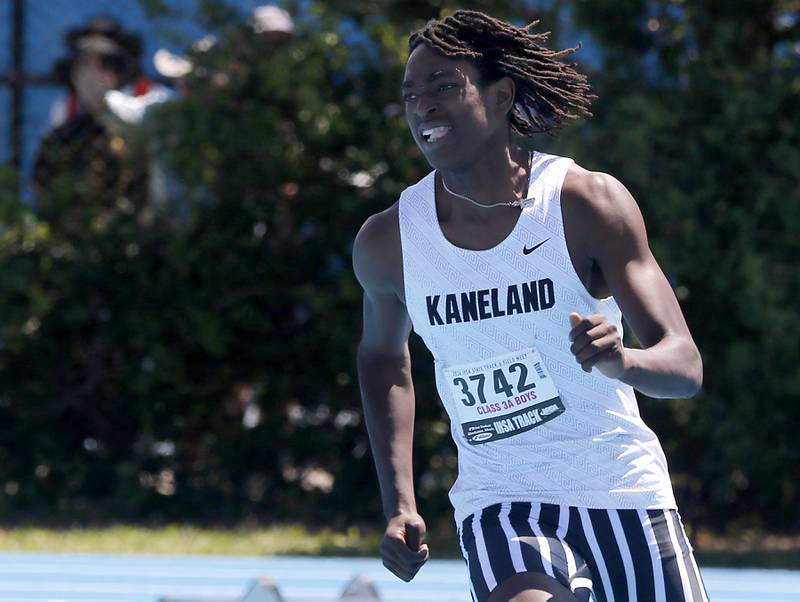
(531, 587)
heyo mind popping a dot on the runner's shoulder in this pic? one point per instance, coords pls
(377, 253)
(599, 201)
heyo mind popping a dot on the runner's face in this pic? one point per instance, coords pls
(452, 118)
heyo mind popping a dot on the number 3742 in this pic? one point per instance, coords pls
(474, 386)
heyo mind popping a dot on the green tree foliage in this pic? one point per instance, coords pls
(195, 359)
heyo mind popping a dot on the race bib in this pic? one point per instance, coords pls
(503, 396)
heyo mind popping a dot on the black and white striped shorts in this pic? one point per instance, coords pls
(612, 555)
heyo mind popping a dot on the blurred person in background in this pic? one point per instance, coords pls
(96, 134)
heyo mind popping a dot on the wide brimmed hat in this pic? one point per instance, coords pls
(104, 35)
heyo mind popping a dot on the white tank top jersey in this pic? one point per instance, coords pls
(528, 422)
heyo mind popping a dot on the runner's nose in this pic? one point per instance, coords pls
(425, 106)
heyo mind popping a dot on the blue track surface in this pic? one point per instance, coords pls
(134, 578)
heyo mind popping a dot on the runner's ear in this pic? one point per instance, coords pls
(503, 93)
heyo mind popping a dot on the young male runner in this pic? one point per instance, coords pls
(562, 489)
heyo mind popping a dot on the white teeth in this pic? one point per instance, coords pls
(435, 133)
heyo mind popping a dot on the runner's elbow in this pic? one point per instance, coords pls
(694, 372)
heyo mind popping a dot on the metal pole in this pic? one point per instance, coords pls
(17, 89)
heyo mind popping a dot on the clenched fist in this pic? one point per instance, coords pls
(402, 549)
(596, 343)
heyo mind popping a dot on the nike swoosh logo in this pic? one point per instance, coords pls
(527, 251)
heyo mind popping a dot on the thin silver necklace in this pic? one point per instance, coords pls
(515, 203)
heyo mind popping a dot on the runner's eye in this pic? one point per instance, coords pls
(409, 97)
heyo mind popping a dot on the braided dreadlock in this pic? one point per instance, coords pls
(549, 91)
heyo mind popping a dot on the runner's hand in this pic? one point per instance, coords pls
(402, 549)
(596, 343)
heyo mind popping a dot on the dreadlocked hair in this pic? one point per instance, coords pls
(548, 91)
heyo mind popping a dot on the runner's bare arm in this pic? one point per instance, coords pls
(384, 371)
(613, 235)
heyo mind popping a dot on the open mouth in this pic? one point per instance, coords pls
(434, 134)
